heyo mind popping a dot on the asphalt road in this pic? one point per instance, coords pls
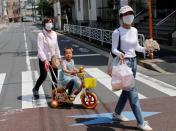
(19, 71)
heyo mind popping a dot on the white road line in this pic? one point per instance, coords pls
(84, 55)
(27, 52)
(105, 80)
(157, 84)
(2, 78)
(77, 100)
(27, 84)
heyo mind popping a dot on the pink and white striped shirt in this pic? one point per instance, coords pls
(44, 52)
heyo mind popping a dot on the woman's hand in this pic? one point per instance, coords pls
(46, 63)
(122, 58)
(148, 51)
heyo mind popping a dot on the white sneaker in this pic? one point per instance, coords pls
(117, 117)
(145, 126)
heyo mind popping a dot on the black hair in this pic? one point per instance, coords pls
(46, 20)
(68, 48)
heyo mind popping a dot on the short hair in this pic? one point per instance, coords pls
(46, 20)
(68, 48)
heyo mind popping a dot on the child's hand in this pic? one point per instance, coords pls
(73, 72)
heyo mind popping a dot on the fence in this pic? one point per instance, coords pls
(104, 36)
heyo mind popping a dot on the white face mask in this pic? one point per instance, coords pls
(128, 19)
(48, 26)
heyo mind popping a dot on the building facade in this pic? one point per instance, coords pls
(91, 12)
(13, 10)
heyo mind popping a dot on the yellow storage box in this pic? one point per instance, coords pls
(90, 82)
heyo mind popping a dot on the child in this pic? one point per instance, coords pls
(68, 76)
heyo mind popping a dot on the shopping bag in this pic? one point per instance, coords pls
(122, 77)
(110, 63)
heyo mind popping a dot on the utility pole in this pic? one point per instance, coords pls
(34, 12)
(32, 9)
(150, 18)
(1, 10)
(4, 11)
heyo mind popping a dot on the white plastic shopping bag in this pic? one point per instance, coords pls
(122, 77)
(110, 63)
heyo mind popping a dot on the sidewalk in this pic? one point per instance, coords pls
(164, 63)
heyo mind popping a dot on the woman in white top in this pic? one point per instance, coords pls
(129, 44)
(47, 36)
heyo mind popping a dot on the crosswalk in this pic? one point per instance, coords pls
(2, 78)
(105, 80)
(27, 85)
(29, 78)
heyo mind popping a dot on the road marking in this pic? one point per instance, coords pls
(27, 84)
(84, 55)
(105, 80)
(2, 78)
(157, 84)
(27, 52)
(77, 100)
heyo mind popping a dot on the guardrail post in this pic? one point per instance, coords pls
(101, 37)
(156, 32)
(80, 31)
(89, 30)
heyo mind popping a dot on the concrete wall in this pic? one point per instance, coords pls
(92, 10)
(79, 11)
(57, 15)
(85, 10)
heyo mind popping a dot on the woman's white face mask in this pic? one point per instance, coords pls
(128, 19)
(48, 26)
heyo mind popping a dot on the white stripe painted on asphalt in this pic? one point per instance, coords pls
(27, 96)
(27, 52)
(84, 55)
(2, 78)
(157, 84)
(77, 100)
(105, 80)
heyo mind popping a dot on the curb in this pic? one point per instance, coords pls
(150, 64)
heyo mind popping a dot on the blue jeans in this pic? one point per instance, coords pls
(131, 95)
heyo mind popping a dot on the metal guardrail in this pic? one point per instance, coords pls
(166, 18)
(104, 36)
(171, 16)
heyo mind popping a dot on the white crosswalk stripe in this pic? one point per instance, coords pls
(27, 84)
(29, 77)
(2, 78)
(157, 84)
(105, 80)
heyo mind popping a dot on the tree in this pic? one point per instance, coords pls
(45, 8)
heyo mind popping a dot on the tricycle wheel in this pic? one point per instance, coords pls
(89, 100)
(54, 96)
